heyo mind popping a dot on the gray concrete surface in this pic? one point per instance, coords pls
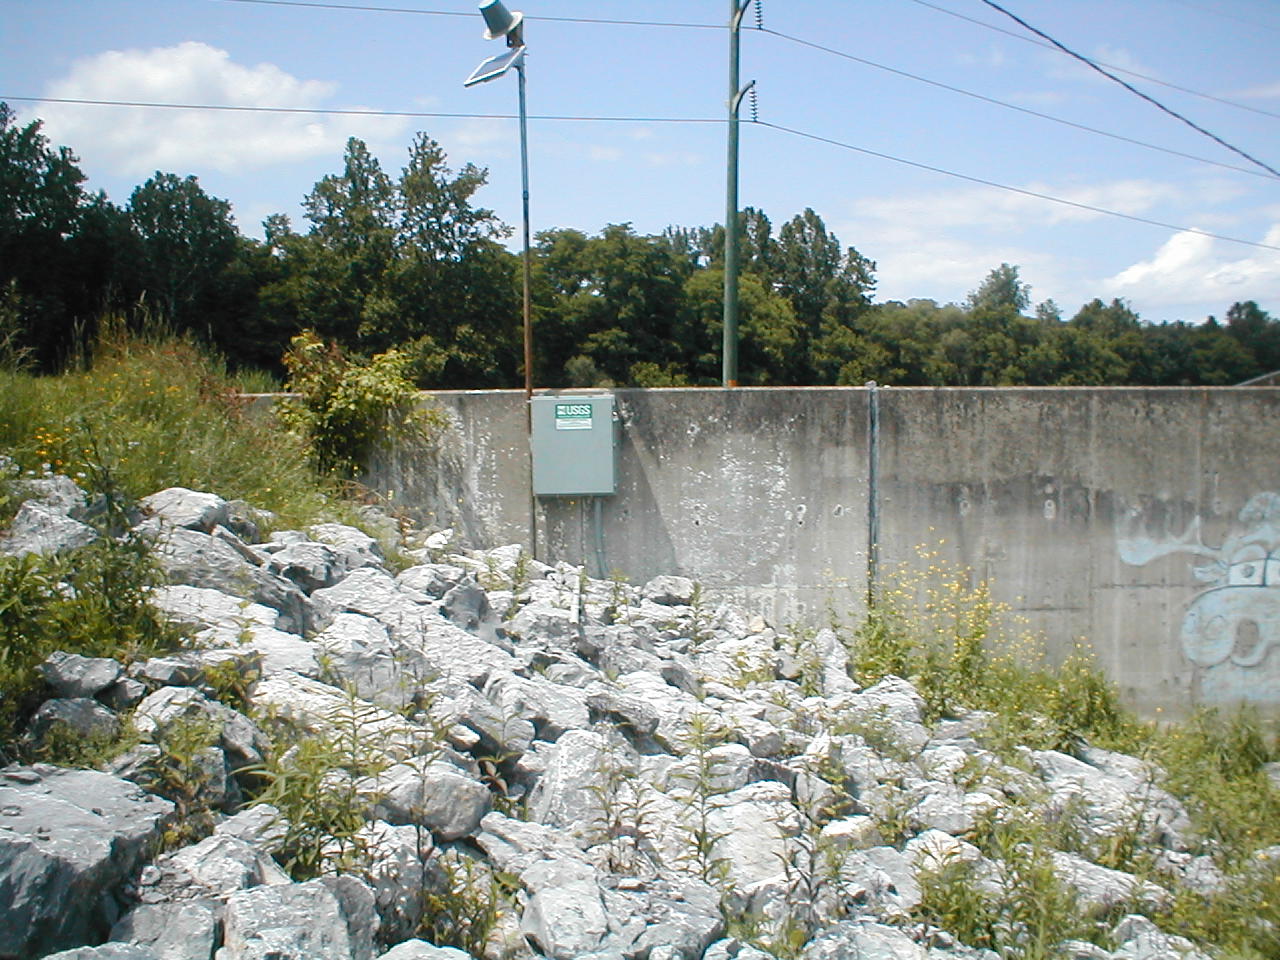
(1145, 521)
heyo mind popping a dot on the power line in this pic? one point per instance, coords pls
(355, 112)
(1019, 190)
(1013, 106)
(1132, 89)
(1110, 66)
(374, 8)
(370, 8)
(567, 118)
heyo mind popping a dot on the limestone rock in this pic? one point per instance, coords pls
(72, 675)
(40, 529)
(68, 838)
(190, 930)
(185, 508)
(299, 921)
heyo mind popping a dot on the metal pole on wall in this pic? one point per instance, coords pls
(729, 367)
(509, 25)
(524, 185)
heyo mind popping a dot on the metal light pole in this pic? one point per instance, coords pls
(503, 23)
(729, 366)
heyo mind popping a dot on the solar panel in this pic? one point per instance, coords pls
(495, 67)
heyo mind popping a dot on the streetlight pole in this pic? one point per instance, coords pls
(524, 190)
(501, 22)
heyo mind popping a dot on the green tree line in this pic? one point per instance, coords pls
(409, 260)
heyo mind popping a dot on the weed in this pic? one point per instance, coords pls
(466, 906)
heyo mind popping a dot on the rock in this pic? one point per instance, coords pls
(566, 794)
(355, 547)
(863, 940)
(565, 917)
(297, 921)
(72, 675)
(81, 716)
(108, 951)
(68, 838)
(173, 931)
(124, 694)
(551, 708)
(262, 826)
(185, 508)
(214, 868)
(312, 566)
(231, 730)
(432, 579)
(1140, 939)
(1100, 890)
(57, 492)
(434, 795)
(209, 612)
(421, 950)
(396, 864)
(669, 591)
(322, 710)
(199, 560)
(515, 845)
(40, 529)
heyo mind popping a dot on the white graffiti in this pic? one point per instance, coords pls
(1231, 626)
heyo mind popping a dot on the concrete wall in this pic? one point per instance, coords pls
(1142, 519)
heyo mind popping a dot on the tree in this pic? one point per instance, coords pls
(41, 203)
(188, 243)
(408, 262)
(1001, 289)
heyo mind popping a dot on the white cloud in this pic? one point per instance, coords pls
(1063, 67)
(1193, 267)
(1000, 210)
(138, 140)
(607, 154)
(1269, 91)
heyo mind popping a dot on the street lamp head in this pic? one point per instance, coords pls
(502, 22)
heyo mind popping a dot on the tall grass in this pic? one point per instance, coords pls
(939, 626)
(158, 411)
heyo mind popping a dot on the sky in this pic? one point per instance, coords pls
(877, 114)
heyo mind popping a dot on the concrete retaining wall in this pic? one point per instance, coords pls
(1146, 520)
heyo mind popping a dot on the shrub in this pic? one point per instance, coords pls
(343, 407)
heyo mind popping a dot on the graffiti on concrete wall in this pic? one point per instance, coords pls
(1231, 626)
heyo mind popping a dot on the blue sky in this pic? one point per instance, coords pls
(931, 235)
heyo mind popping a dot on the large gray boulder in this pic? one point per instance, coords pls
(298, 921)
(214, 868)
(199, 560)
(565, 917)
(72, 675)
(173, 931)
(438, 796)
(44, 530)
(190, 509)
(68, 839)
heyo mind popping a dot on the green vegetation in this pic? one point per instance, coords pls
(408, 263)
(938, 626)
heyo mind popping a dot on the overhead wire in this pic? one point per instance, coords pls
(1132, 89)
(1018, 190)
(354, 111)
(372, 8)
(1013, 106)
(618, 119)
(1110, 66)
(760, 28)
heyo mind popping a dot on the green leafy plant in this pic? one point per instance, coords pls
(465, 906)
(343, 407)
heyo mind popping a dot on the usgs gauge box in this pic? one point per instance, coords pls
(575, 446)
